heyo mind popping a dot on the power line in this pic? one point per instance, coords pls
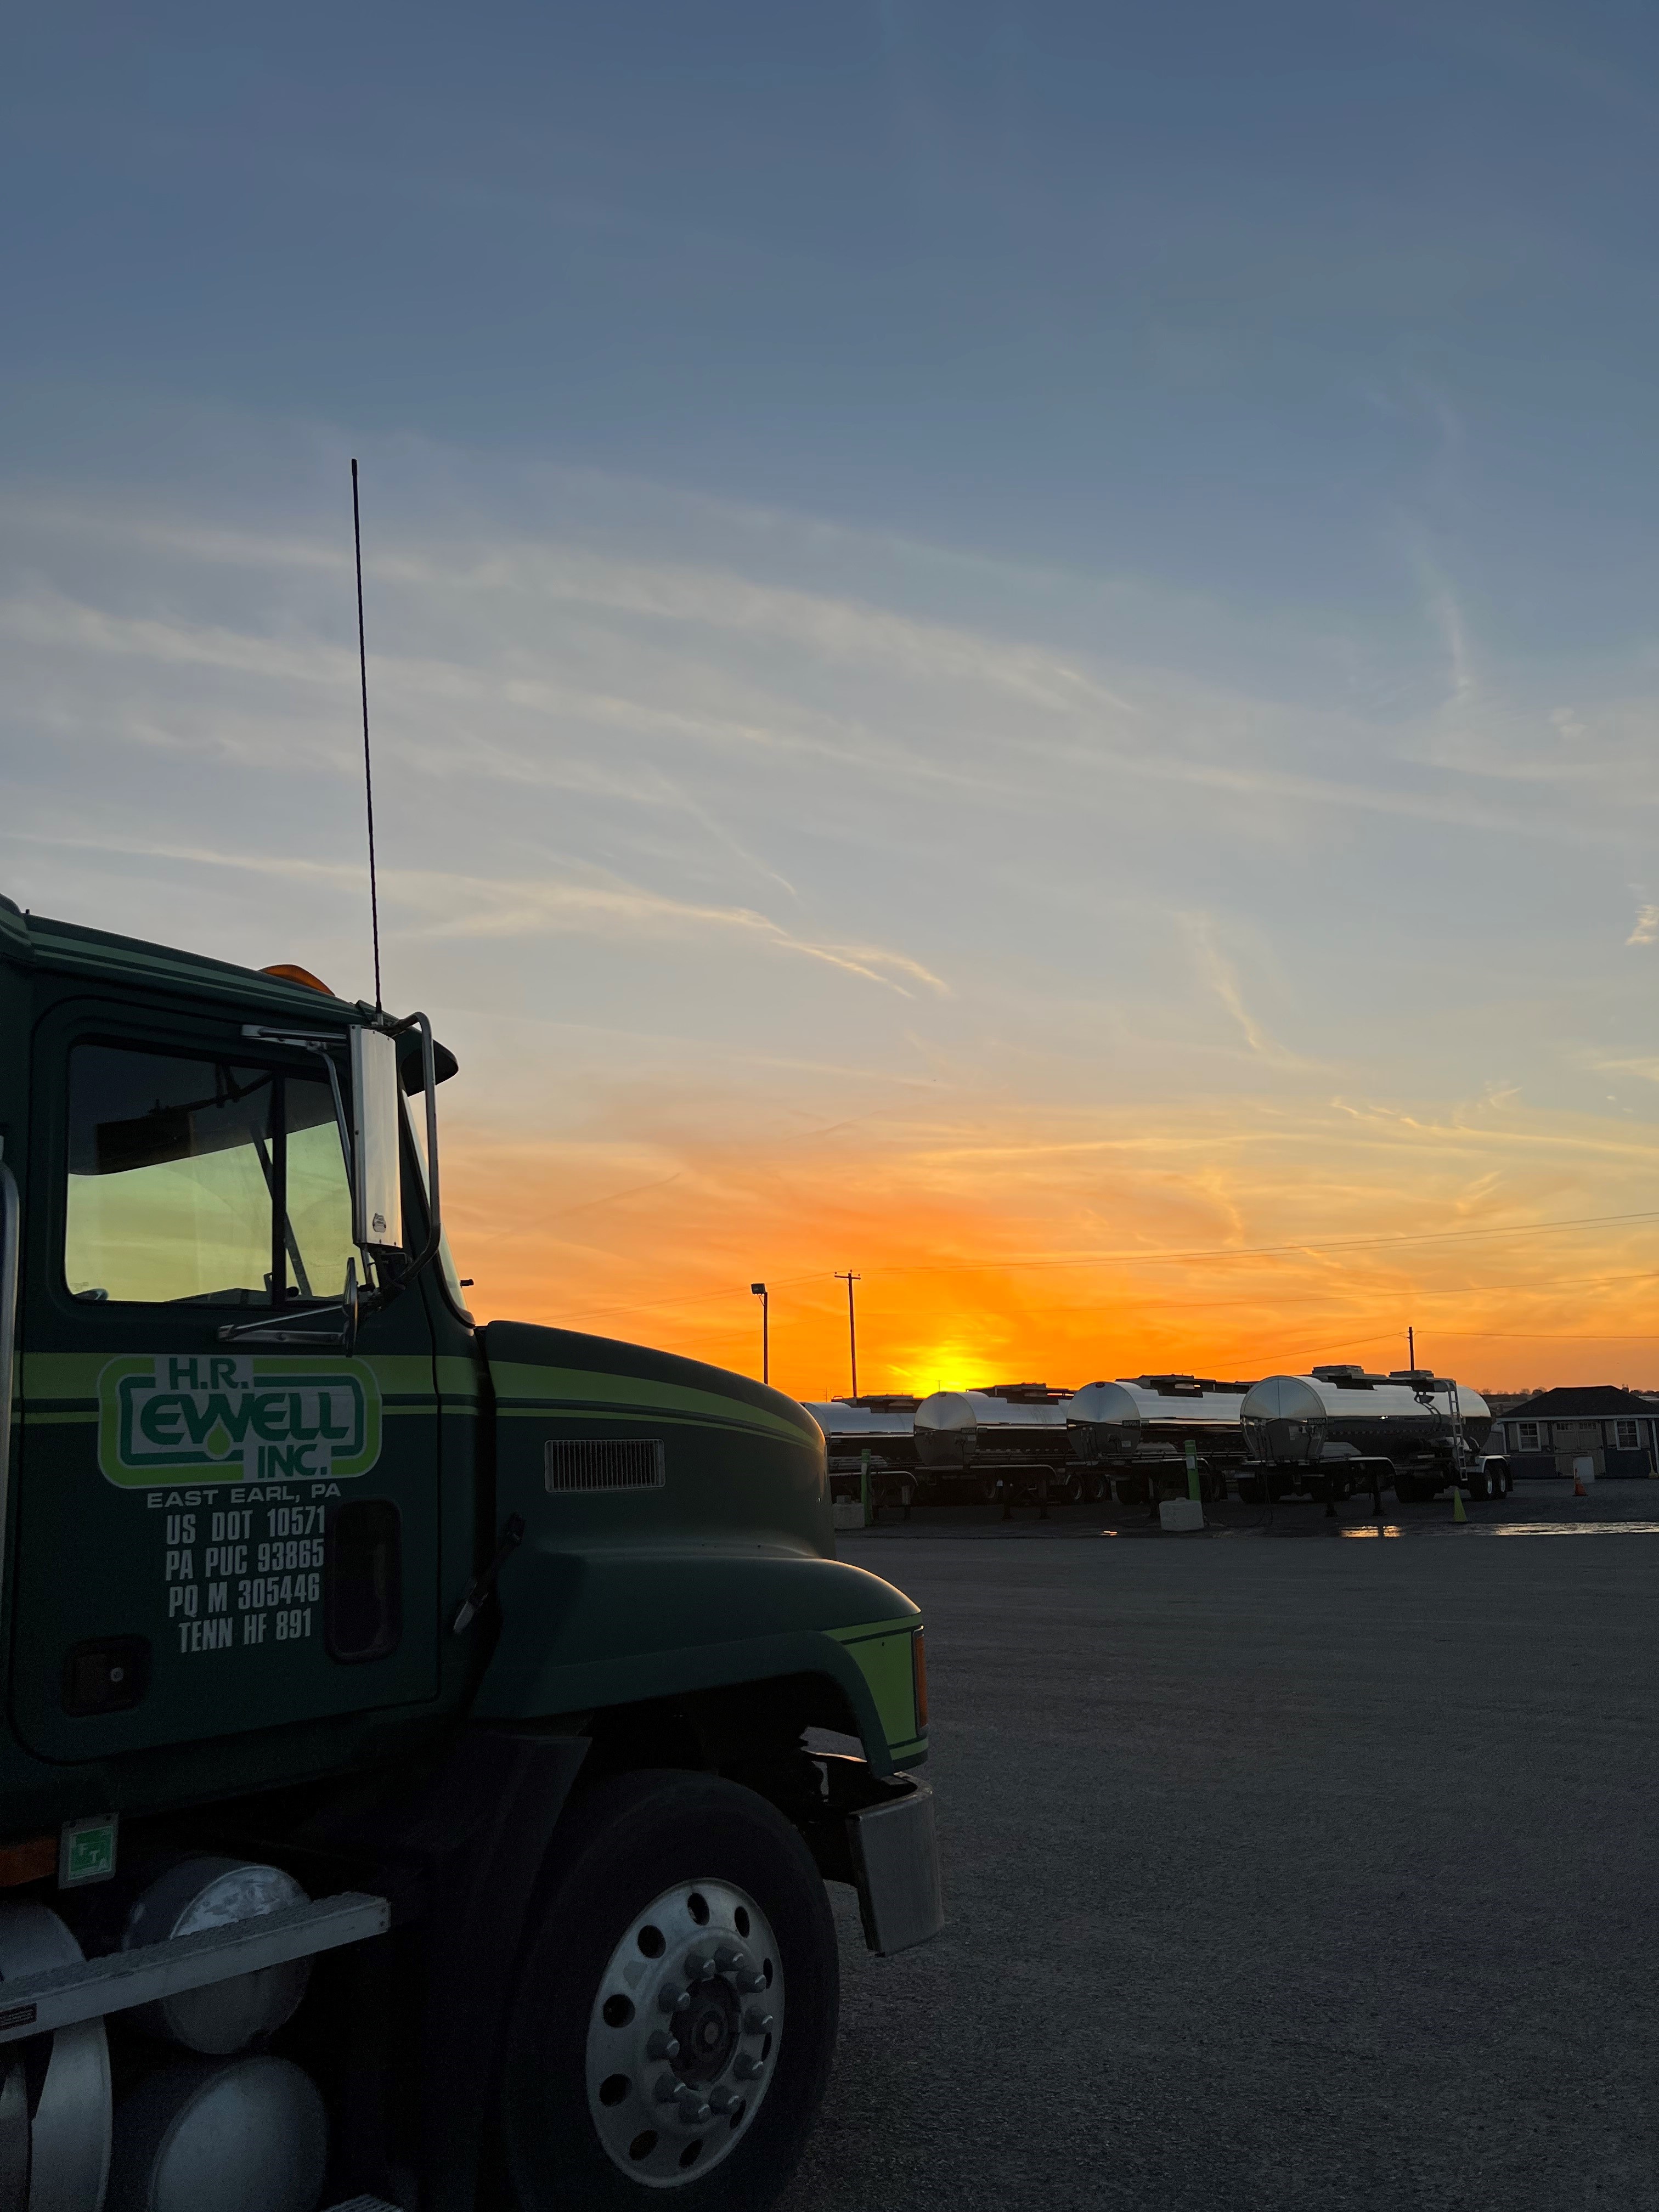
(690, 1297)
(1110, 1259)
(1261, 1251)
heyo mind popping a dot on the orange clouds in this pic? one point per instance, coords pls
(1002, 1244)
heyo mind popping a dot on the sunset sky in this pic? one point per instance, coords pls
(1012, 647)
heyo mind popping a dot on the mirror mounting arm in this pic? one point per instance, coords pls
(395, 1269)
(352, 1304)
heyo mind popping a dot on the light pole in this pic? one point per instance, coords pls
(849, 1278)
(758, 1290)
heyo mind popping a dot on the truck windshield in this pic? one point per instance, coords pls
(176, 1169)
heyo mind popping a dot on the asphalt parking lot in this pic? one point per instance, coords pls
(1286, 1867)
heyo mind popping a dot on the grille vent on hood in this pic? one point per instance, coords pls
(587, 1463)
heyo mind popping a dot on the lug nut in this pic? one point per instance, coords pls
(668, 2090)
(750, 1984)
(671, 1997)
(699, 1967)
(747, 2069)
(728, 1960)
(693, 2111)
(666, 2047)
(755, 2022)
(722, 2101)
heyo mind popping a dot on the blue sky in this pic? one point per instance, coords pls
(988, 580)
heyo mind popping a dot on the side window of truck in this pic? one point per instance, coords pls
(201, 1180)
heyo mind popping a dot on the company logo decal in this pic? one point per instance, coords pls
(212, 1416)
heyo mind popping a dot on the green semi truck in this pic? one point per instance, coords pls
(409, 1792)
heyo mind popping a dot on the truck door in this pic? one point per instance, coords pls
(213, 1537)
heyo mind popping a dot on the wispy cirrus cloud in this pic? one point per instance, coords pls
(837, 841)
(493, 908)
(447, 905)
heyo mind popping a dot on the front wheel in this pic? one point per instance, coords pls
(676, 2010)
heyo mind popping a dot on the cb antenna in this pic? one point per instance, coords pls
(368, 773)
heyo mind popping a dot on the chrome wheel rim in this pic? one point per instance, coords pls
(683, 2036)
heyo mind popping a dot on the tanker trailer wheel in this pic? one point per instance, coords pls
(675, 2016)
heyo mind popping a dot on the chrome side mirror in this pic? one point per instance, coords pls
(377, 1135)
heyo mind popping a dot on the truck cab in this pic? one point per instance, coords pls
(407, 1786)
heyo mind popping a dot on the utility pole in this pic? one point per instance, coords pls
(758, 1290)
(1411, 1351)
(849, 1278)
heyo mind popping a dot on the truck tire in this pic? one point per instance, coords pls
(669, 1888)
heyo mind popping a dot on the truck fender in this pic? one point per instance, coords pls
(584, 1631)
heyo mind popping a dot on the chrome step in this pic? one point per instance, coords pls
(34, 2004)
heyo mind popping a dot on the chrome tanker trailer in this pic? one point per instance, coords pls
(1007, 1441)
(1339, 1430)
(1130, 1438)
(872, 1435)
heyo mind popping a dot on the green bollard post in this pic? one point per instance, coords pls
(1191, 1471)
(863, 1483)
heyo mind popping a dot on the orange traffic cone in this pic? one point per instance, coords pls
(1578, 1489)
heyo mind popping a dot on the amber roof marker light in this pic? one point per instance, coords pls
(291, 972)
